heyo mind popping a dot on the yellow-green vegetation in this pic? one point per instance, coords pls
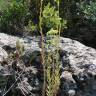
(52, 69)
(51, 61)
(19, 48)
(19, 53)
(42, 45)
(50, 17)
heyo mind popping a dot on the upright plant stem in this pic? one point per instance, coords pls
(59, 27)
(57, 64)
(42, 45)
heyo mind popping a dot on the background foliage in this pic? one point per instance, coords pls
(12, 19)
(73, 13)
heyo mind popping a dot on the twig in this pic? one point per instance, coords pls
(26, 89)
(13, 84)
(23, 92)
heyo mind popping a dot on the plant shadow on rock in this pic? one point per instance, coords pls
(25, 78)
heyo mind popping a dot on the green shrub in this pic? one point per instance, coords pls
(12, 19)
(50, 17)
(3, 4)
(89, 10)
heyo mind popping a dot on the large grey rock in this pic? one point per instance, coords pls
(29, 42)
(78, 68)
(9, 69)
(80, 60)
(78, 54)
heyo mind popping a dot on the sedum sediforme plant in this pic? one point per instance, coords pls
(52, 57)
(50, 17)
(52, 64)
(42, 45)
(19, 48)
(50, 60)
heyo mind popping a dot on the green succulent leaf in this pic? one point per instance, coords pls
(52, 32)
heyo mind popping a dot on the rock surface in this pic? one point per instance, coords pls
(3, 54)
(78, 68)
(80, 63)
